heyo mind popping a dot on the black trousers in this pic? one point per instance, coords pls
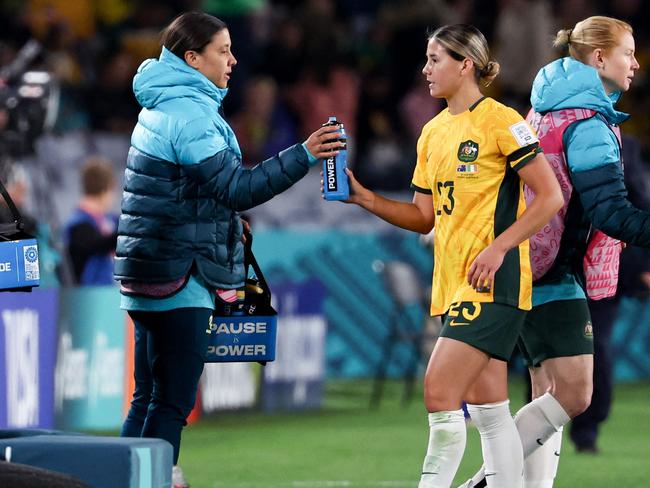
(584, 427)
(170, 352)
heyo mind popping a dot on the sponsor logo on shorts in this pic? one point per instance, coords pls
(589, 330)
(468, 310)
(453, 323)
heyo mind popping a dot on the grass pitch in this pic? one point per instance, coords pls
(348, 445)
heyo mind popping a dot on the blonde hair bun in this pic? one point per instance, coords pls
(490, 72)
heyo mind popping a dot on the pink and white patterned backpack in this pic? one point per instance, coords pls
(601, 261)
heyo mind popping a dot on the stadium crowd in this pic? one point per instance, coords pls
(301, 61)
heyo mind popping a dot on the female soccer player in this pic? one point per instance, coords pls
(573, 102)
(179, 235)
(472, 159)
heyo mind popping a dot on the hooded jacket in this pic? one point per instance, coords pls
(184, 182)
(593, 156)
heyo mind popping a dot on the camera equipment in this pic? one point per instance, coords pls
(30, 100)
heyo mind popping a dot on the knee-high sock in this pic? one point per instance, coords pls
(447, 437)
(540, 467)
(539, 419)
(503, 456)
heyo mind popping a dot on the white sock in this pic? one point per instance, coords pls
(503, 456)
(540, 467)
(479, 476)
(539, 420)
(447, 436)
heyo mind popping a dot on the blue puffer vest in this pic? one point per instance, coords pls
(184, 182)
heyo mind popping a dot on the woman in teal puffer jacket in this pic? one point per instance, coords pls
(179, 234)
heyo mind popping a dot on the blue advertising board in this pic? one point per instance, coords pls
(91, 365)
(27, 358)
(295, 380)
(19, 264)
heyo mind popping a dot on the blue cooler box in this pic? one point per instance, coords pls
(19, 264)
(101, 462)
(242, 338)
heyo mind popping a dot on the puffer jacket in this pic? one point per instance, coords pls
(593, 156)
(184, 182)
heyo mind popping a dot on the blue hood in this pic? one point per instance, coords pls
(568, 83)
(169, 77)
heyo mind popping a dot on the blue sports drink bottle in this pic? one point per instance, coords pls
(335, 181)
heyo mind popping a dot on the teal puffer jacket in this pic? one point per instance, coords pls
(593, 156)
(184, 182)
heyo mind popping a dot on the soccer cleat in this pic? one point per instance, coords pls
(178, 478)
(587, 449)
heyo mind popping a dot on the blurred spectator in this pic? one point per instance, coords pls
(417, 107)
(283, 57)
(319, 95)
(380, 162)
(631, 11)
(323, 33)
(112, 104)
(327, 85)
(408, 24)
(524, 33)
(569, 12)
(77, 17)
(371, 51)
(139, 32)
(239, 17)
(264, 126)
(91, 231)
(62, 59)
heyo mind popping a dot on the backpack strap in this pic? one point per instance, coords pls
(249, 260)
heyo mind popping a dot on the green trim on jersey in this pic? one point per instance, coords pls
(506, 279)
(421, 190)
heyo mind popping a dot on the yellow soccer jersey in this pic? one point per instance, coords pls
(469, 163)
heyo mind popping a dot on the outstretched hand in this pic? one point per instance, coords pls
(324, 142)
(358, 193)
